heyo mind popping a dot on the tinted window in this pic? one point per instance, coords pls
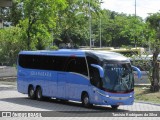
(42, 62)
(77, 65)
(94, 73)
(90, 61)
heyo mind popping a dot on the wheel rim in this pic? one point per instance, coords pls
(86, 100)
(39, 94)
(31, 92)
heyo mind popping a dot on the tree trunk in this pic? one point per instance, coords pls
(28, 34)
(28, 39)
(155, 73)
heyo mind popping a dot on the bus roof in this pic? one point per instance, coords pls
(106, 55)
(76, 52)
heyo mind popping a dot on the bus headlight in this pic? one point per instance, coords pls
(107, 96)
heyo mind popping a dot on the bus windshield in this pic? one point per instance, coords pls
(118, 77)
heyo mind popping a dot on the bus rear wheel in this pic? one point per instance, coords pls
(39, 94)
(31, 93)
(85, 101)
(115, 107)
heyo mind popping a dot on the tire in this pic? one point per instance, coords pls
(63, 100)
(46, 98)
(115, 107)
(31, 93)
(86, 101)
(39, 94)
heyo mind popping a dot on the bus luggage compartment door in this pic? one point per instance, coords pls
(61, 85)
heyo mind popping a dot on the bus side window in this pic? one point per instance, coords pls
(77, 65)
(42, 62)
(71, 65)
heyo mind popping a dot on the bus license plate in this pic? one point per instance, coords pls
(119, 103)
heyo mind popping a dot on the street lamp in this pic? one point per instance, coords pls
(100, 44)
(135, 8)
(135, 18)
(90, 29)
(90, 24)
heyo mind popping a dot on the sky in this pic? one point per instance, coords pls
(143, 7)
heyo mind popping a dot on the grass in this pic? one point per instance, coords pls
(143, 93)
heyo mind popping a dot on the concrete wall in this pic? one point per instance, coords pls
(8, 71)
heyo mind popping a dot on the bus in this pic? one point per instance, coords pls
(91, 77)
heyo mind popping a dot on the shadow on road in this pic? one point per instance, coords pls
(61, 106)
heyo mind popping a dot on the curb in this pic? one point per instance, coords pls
(156, 104)
(8, 79)
(142, 84)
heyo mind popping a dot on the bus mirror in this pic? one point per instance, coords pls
(100, 69)
(138, 71)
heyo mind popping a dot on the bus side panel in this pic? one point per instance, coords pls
(52, 86)
(47, 80)
(61, 85)
(95, 97)
(22, 80)
(76, 84)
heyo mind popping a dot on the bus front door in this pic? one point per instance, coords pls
(61, 85)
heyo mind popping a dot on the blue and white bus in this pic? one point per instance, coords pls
(92, 77)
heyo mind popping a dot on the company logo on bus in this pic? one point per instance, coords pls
(43, 74)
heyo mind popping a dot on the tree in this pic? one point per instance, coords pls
(154, 24)
(11, 42)
(73, 21)
(133, 30)
(12, 14)
(39, 20)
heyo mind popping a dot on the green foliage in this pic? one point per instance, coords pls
(132, 30)
(154, 24)
(73, 22)
(11, 43)
(39, 20)
(35, 21)
(54, 48)
(41, 23)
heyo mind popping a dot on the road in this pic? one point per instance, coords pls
(11, 100)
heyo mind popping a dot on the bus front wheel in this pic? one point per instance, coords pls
(39, 94)
(31, 93)
(85, 101)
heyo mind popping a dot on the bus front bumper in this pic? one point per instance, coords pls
(107, 98)
(112, 100)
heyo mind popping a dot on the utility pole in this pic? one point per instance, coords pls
(135, 39)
